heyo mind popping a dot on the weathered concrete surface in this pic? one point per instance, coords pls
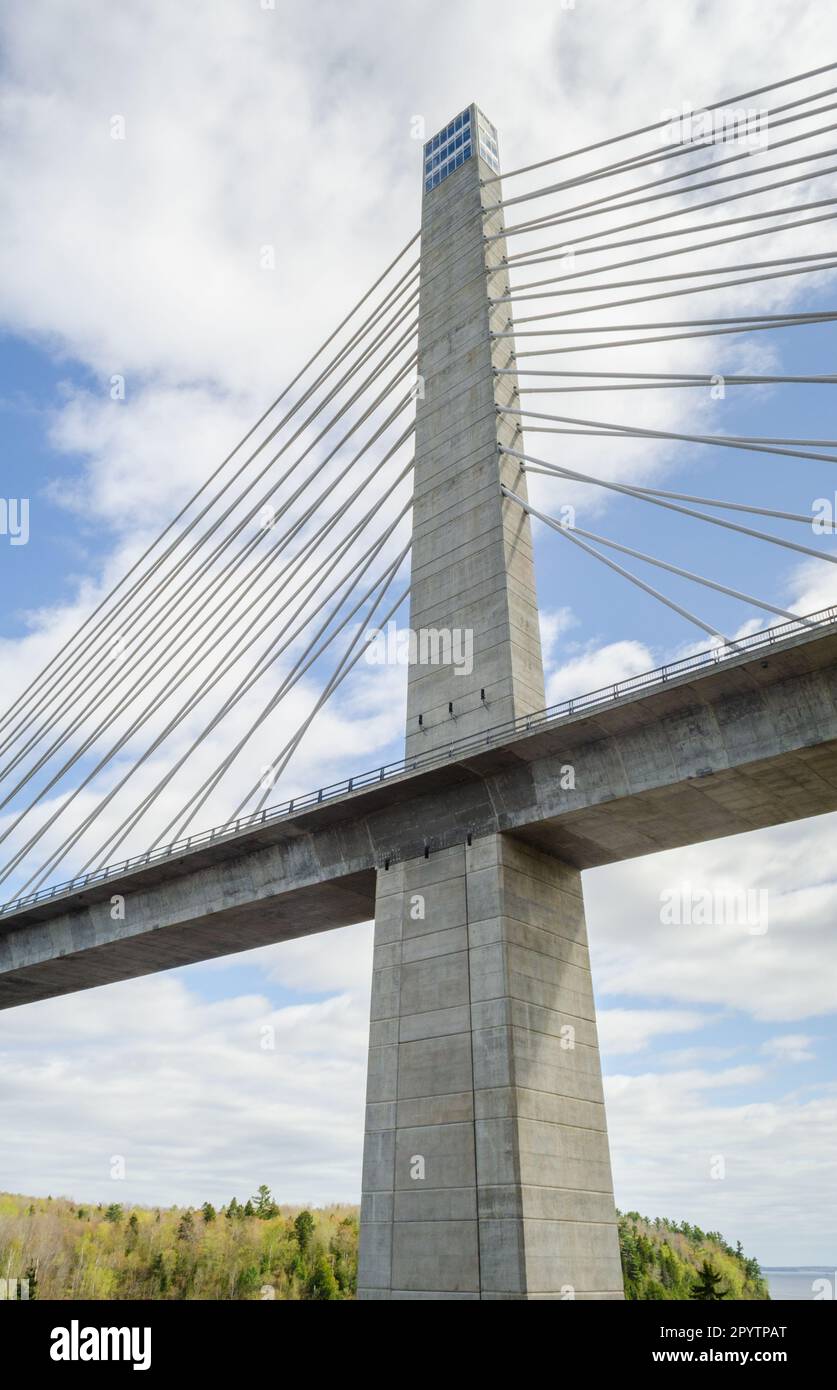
(751, 744)
(187, 920)
(486, 1166)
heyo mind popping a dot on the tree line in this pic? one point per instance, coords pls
(258, 1249)
(255, 1249)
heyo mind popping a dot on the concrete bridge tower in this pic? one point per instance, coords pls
(486, 1168)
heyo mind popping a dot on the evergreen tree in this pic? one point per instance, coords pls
(186, 1229)
(208, 1212)
(321, 1283)
(114, 1213)
(706, 1289)
(264, 1204)
(159, 1273)
(304, 1228)
(132, 1234)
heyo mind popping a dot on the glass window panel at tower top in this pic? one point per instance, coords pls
(468, 132)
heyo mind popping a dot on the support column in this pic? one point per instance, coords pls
(486, 1164)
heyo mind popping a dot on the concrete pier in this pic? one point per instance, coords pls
(486, 1167)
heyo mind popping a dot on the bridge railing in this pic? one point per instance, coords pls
(498, 733)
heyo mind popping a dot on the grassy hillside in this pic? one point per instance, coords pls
(257, 1250)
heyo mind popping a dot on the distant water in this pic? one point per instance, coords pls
(801, 1281)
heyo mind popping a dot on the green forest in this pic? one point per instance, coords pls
(257, 1249)
(669, 1260)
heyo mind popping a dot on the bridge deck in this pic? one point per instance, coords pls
(751, 742)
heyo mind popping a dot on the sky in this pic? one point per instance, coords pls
(193, 198)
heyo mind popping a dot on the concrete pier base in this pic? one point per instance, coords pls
(486, 1167)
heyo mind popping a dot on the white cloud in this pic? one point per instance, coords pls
(314, 964)
(813, 587)
(186, 1092)
(791, 1047)
(775, 1177)
(783, 975)
(553, 624)
(632, 1030)
(595, 667)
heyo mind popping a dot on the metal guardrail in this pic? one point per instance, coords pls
(498, 733)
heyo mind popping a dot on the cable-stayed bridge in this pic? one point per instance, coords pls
(395, 469)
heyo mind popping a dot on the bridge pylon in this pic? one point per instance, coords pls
(486, 1170)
